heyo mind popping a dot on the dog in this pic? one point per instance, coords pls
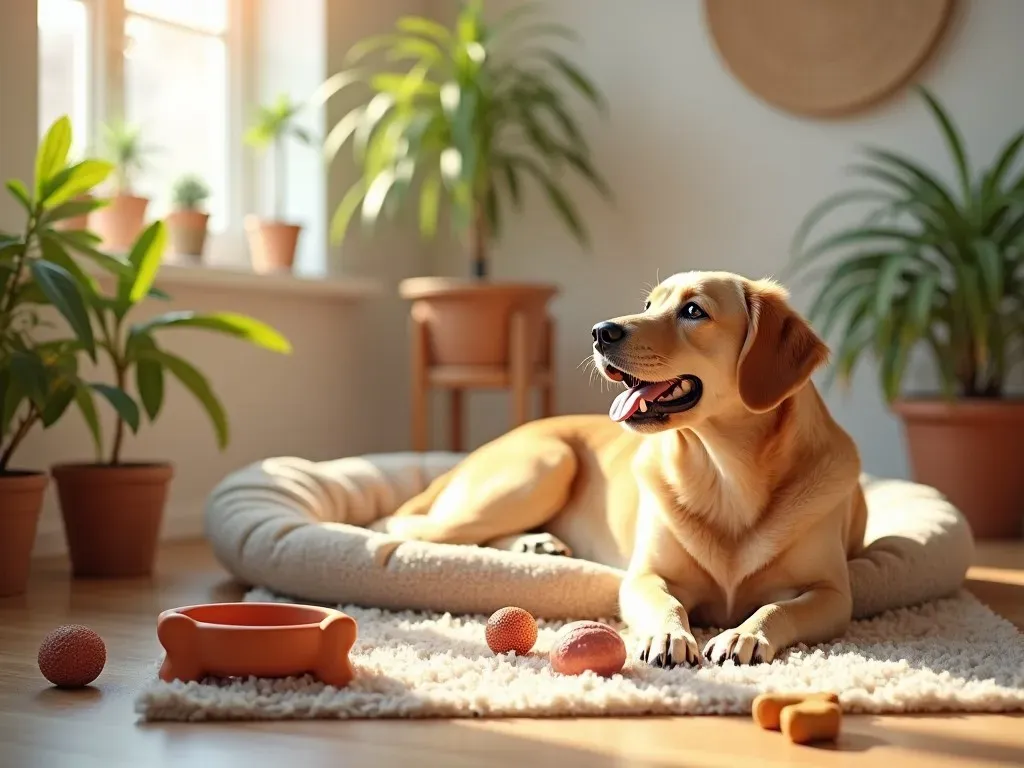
(719, 482)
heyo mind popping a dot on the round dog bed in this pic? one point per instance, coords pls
(297, 527)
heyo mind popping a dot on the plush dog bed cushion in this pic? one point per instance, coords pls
(297, 527)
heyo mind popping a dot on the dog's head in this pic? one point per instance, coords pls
(705, 344)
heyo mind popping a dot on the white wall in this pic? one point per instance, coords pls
(708, 177)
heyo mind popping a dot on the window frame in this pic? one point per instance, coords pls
(106, 102)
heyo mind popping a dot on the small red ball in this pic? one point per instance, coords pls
(72, 656)
(511, 629)
(588, 646)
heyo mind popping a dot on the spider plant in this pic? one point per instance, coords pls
(478, 108)
(123, 146)
(930, 263)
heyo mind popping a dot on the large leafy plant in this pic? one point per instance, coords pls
(479, 108)
(136, 356)
(38, 379)
(274, 124)
(929, 263)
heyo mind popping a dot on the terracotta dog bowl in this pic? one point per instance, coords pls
(258, 639)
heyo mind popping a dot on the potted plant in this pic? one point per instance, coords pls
(120, 221)
(112, 508)
(187, 224)
(37, 378)
(480, 109)
(940, 267)
(273, 240)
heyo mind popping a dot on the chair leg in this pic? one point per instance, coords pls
(455, 408)
(420, 387)
(519, 369)
(547, 403)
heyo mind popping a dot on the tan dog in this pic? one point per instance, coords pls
(730, 496)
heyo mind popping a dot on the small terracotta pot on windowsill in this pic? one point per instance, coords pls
(119, 223)
(21, 501)
(112, 516)
(272, 244)
(187, 230)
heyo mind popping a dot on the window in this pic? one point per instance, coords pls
(172, 69)
(64, 66)
(176, 92)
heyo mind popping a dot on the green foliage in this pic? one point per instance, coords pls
(930, 263)
(135, 353)
(190, 192)
(123, 146)
(39, 268)
(478, 110)
(273, 124)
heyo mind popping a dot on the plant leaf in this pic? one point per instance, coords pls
(63, 292)
(77, 180)
(581, 82)
(30, 374)
(430, 195)
(146, 256)
(346, 210)
(990, 263)
(54, 252)
(149, 376)
(425, 27)
(84, 243)
(71, 209)
(20, 193)
(230, 323)
(84, 401)
(829, 204)
(52, 154)
(57, 404)
(197, 384)
(122, 402)
(953, 141)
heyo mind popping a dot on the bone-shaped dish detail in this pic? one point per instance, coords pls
(256, 639)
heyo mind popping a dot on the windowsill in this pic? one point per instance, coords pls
(173, 275)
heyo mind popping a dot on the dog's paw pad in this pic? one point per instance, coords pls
(541, 544)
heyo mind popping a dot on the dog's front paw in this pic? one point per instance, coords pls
(540, 544)
(668, 649)
(741, 647)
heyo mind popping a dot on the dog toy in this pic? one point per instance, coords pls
(588, 645)
(511, 629)
(802, 717)
(72, 656)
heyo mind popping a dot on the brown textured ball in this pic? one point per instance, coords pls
(511, 629)
(72, 656)
(588, 645)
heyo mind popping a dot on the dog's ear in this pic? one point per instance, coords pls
(780, 352)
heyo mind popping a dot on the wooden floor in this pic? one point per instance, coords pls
(42, 727)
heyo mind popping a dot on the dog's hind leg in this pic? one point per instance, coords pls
(505, 488)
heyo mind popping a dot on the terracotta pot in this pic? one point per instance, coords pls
(971, 451)
(120, 222)
(468, 321)
(187, 230)
(256, 639)
(272, 244)
(112, 516)
(21, 500)
(75, 222)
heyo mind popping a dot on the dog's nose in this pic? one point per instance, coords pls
(607, 333)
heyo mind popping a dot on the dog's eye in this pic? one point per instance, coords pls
(647, 305)
(691, 311)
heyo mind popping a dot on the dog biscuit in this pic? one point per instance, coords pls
(768, 706)
(815, 720)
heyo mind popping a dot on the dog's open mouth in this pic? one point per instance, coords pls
(652, 400)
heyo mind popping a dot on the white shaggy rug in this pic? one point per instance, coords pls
(949, 655)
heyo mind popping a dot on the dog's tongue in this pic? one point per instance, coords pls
(626, 404)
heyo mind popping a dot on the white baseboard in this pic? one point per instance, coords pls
(181, 521)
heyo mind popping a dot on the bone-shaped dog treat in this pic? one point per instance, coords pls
(768, 707)
(256, 639)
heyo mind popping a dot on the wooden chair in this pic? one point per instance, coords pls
(516, 376)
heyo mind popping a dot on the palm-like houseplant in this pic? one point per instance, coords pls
(112, 508)
(940, 267)
(462, 121)
(39, 378)
(273, 240)
(120, 222)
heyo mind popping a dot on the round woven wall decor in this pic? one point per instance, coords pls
(825, 57)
